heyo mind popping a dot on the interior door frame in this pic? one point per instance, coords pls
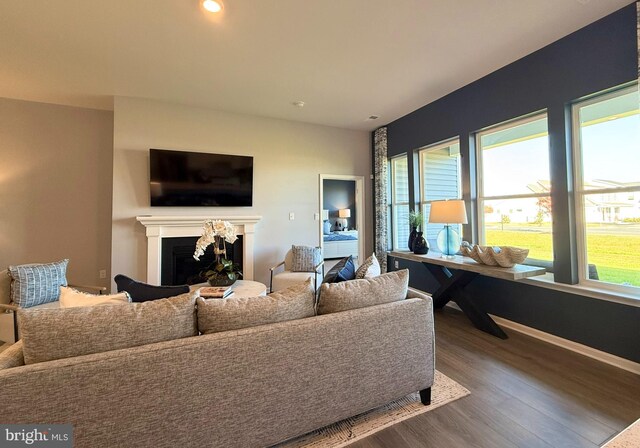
(360, 209)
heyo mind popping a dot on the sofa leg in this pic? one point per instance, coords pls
(425, 396)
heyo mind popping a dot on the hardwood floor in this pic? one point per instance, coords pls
(524, 393)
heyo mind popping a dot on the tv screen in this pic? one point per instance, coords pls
(195, 179)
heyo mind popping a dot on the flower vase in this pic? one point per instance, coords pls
(420, 245)
(412, 237)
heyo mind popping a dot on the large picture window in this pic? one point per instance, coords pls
(514, 186)
(439, 180)
(399, 204)
(607, 174)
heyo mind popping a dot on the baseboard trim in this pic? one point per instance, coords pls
(576, 347)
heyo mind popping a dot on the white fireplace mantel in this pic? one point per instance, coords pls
(159, 227)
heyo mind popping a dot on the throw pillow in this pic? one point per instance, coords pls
(360, 293)
(142, 292)
(49, 334)
(12, 356)
(370, 268)
(341, 271)
(35, 284)
(294, 302)
(70, 298)
(305, 258)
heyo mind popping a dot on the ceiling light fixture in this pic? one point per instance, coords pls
(212, 5)
(298, 103)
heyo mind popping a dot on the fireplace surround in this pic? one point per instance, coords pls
(160, 227)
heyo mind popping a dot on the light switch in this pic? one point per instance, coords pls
(316, 216)
(292, 216)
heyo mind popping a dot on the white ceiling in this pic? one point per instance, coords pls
(346, 59)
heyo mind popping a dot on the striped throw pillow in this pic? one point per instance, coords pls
(305, 258)
(35, 284)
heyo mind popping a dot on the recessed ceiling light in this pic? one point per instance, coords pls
(373, 117)
(212, 5)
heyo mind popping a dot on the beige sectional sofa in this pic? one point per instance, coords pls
(250, 387)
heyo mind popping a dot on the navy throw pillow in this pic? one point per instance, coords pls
(142, 292)
(342, 271)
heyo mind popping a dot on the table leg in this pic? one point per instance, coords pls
(452, 288)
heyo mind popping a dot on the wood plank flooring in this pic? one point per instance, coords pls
(524, 393)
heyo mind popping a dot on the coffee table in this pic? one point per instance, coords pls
(241, 288)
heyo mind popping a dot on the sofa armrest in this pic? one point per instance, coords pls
(8, 307)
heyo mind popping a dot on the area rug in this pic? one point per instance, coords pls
(342, 433)
(629, 438)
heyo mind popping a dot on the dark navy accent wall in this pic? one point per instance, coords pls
(595, 58)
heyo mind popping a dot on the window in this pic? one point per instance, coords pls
(607, 184)
(399, 204)
(439, 179)
(514, 187)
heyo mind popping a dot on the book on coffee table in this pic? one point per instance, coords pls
(216, 292)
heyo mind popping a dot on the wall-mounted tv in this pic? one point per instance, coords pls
(195, 179)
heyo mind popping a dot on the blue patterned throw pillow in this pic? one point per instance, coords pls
(35, 284)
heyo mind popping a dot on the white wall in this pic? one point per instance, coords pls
(288, 159)
(55, 187)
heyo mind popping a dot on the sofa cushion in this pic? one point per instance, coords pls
(305, 258)
(35, 284)
(370, 268)
(294, 302)
(70, 297)
(50, 334)
(142, 292)
(342, 271)
(359, 293)
(12, 356)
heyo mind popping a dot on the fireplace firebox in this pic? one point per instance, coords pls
(178, 267)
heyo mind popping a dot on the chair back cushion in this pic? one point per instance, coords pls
(50, 334)
(142, 292)
(35, 284)
(360, 293)
(305, 258)
(294, 302)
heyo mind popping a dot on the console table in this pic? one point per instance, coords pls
(453, 285)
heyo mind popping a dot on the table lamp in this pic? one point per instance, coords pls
(344, 214)
(448, 212)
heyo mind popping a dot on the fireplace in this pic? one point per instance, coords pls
(160, 228)
(178, 267)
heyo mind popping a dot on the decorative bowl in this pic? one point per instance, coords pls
(503, 256)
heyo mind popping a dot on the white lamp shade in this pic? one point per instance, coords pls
(448, 212)
(344, 213)
(325, 215)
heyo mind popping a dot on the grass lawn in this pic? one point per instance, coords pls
(616, 256)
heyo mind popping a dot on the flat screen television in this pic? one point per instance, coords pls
(195, 179)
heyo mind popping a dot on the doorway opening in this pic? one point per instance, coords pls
(342, 212)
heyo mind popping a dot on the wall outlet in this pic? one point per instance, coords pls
(316, 216)
(292, 216)
(102, 273)
(396, 264)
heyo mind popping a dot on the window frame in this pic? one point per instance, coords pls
(393, 203)
(481, 198)
(579, 194)
(422, 153)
